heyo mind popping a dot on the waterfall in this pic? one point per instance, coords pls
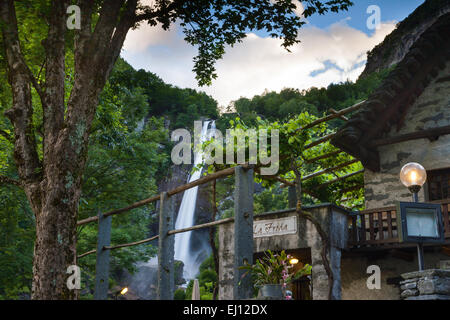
(185, 218)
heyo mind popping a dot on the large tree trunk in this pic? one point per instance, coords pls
(55, 246)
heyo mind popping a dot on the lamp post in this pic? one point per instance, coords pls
(413, 175)
(121, 292)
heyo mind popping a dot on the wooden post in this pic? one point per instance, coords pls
(102, 263)
(243, 232)
(166, 270)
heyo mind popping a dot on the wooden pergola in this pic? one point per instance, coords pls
(320, 141)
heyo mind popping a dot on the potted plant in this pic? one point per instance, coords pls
(273, 272)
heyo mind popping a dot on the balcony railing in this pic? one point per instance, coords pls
(378, 227)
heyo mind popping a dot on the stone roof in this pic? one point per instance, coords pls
(388, 105)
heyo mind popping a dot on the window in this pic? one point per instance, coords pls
(438, 184)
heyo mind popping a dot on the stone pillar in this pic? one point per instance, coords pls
(433, 284)
(166, 263)
(102, 263)
(243, 232)
(292, 197)
(334, 223)
(226, 261)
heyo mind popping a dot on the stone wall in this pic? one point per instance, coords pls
(354, 272)
(431, 284)
(431, 110)
(333, 220)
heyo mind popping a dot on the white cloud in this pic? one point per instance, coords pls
(258, 63)
(299, 8)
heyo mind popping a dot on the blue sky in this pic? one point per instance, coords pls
(333, 49)
(390, 10)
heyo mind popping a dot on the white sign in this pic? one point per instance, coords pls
(274, 227)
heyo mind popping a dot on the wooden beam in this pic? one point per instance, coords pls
(333, 116)
(340, 178)
(318, 173)
(319, 141)
(342, 117)
(132, 243)
(324, 156)
(87, 253)
(201, 226)
(431, 134)
(205, 179)
(213, 176)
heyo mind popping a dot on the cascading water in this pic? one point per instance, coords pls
(185, 218)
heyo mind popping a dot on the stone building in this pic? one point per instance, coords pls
(407, 119)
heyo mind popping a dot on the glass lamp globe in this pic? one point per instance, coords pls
(413, 175)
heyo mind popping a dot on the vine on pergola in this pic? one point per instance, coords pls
(296, 149)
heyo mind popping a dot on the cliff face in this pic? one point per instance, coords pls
(397, 44)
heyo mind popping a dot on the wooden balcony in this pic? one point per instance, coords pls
(377, 228)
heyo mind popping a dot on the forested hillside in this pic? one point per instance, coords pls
(289, 102)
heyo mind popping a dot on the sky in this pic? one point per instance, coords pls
(333, 48)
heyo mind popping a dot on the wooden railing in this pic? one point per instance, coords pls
(378, 227)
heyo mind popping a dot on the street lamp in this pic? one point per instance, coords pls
(121, 292)
(413, 175)
(418, 222)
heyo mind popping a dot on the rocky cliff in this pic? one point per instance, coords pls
(397, 44)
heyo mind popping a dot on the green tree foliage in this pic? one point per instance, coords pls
(288, 102)
(181, 106)
(207, 278)
(179, 294)
(271, 198)
(16, 244)
(292, 157)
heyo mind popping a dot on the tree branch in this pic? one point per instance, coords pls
(8, 180)
(53, 103)
(156, 13)
(21, 112)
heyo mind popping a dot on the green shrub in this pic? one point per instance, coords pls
(179, 294)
